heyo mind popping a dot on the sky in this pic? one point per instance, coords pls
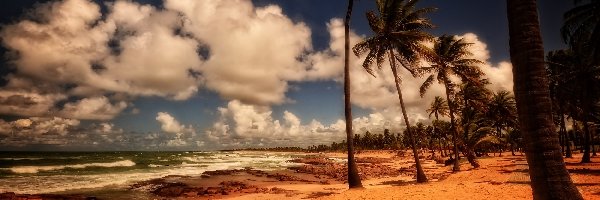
(87, 75)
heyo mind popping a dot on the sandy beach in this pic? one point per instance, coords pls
(385, 175)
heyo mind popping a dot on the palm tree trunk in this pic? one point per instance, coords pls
(563, 128)
(586, 141)
(593, 133)
(549, 176)
(353, 177)
(456, 166)
(421, 178)
(471, 157)
(439, 136)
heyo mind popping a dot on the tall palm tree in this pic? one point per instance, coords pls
(399, 33)
(438, 107)
(549, 176)
(581, 30)
(452, 59)
(353, 177)
(502, 112)
(472, 102)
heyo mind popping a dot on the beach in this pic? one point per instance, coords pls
(384, 174)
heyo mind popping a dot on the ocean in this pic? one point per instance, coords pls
(99, 173)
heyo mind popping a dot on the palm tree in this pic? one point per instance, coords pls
(451, 60)
(560, 64)
(575, 79)
(549, 176)
(353, 177)
(502, 112)
(399, 33)
(438, 107)
(581, 30)
(472, 99)
(476, 132)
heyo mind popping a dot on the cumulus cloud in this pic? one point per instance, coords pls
(37, 126)
(94, 108)
(500, 74)
(168, 123)
(254, 52)
(68, 134)
(244, 125)
(141, 50)
(134, 50)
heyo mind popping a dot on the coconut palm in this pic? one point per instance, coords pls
(353, 177)
(581, 30)
(476, 132)
(438, 107)
(502, 112)
(472, 102)
(549, 176)
(452, 59)
(398, 36)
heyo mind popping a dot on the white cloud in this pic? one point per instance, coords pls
(153, 60)
(500, 75)
(94, 108)
(253, 51)
(168, 123)
(244, 125)
(38, 126)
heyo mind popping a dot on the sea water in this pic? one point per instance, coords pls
(65, 172)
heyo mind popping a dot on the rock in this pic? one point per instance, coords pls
(170, 190)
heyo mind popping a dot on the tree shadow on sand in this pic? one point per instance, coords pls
(508, 171)
(595, 172)
(398, 183)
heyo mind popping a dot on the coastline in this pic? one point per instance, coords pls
(385, 175)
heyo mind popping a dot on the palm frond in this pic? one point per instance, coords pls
(426, 85)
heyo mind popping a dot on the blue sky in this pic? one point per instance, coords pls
(111, 111)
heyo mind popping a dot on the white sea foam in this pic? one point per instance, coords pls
(193, 165)
(36, 169)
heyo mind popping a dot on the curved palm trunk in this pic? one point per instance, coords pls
(549, 176)
(353, 177)
(456, 166)
(421, 178)
(470, 154)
